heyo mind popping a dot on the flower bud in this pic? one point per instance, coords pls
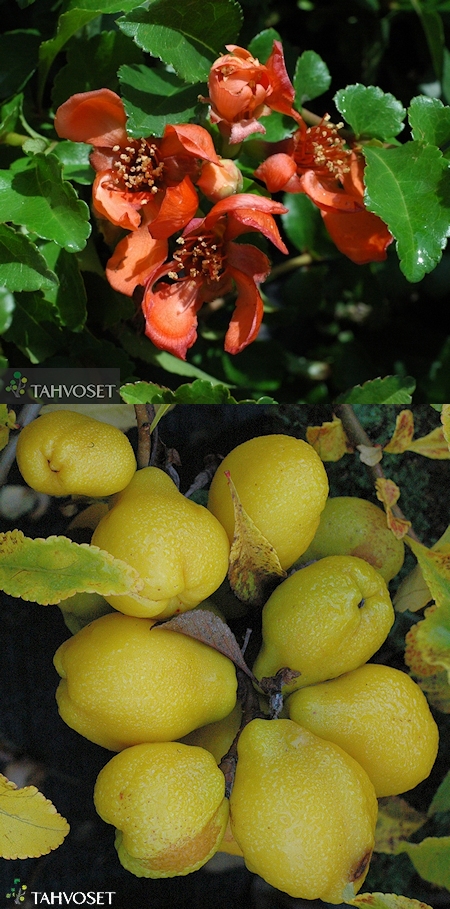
(217, 181)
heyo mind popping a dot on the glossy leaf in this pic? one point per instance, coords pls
(92, 62)
(199, 391)
(429, 120)
(431, 859)
(370, 111)
(311, 78)
(19, 56)
(35, 195)
(153, 98)
(32, 328)
(49, 570)
(69, 297)
(409, 189)
(261, 45)
(397, 820)
(30, 826)
(304, 226)
(82, 608)
(390, 390)
(22, 267)
(189, 41)
(441, 798)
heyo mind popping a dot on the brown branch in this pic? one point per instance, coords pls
(145, 414)
(358, 436)
(250, 711)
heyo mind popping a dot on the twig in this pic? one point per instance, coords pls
(145, 414)
(251, 710)
(358, 436)
(28, 413)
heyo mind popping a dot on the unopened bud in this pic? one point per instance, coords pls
(218, 181)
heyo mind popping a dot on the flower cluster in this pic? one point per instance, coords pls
(178, 206)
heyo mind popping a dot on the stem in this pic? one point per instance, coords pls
(250, 711)
(145, 414)
(28, 413)
(357, 436)
(290, 265)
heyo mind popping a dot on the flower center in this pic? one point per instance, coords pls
(138, 167)
(199, 256)
(321, 149)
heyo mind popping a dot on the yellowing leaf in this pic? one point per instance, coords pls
(254, 567)
(388, 493)
(437, 690)
(431, 859)
(82, 608)
(413, 651)
(445, 420)
(7, 422)
(403, 433)
(30, 825)
(413, 592)
(387, 901)
(433, 637)
(48, 571)
(397, 820)
(434, 445)
(435, 565)
(329, 440)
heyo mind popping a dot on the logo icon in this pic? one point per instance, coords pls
(17, 384)
(18, 890)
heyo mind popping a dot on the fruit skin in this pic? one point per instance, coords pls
(323, 620)
(283, 487)
(352, 526)
(65, 453)
(302, 811)
(380, 716)
(123, 684)
(178, 547)
(167, 801)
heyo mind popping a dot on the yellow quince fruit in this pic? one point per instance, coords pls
(178, 547)
(167, 802)
(302, 811)
(325, 619)
(125, 682)
(65, 453)
(381, 717)
(282, 485)
(352, 526)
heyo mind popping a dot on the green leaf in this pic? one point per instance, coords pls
(68, 24)
(7, 306)
(370, 111)
(141, 348)
(19, 56)
(48, 571)
(261, 45)
(441, 798)
(189, 40)
(304, 226)
(434, 33)
(198, 392)
(22, 267)
(409, 189)
(431, 859)
(277, 126)
(31, 328)
(93, 64)
(74, 156)
(429, 120)
(390, 390)
(153, 98)
(34, 194)
(69, 298)
(312, 77)
(83, 608)
(437, 385)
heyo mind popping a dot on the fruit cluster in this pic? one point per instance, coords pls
(301, 807)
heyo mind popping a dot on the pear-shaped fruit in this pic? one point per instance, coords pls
(352, 526)
(178, 547)
(167, 801)
(65, 453)
(125, 682)
(325, 619)
(381, 717)
(302, 811)
(282, 485)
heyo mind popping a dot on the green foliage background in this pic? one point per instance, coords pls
(383, 66)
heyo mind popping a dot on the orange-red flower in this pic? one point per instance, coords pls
(241, 90)
(315, 161)
(138, 180)
(206, 265)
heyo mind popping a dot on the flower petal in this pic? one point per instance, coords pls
(194, 139)
(283, 94)
(121, 208)
(247, 316)
(361, 235)
(171, 315)
(134, 259)
(179, 204)
(247, 258)
(326, 197)
(245, 220)
(277, 171)
(97, 118)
